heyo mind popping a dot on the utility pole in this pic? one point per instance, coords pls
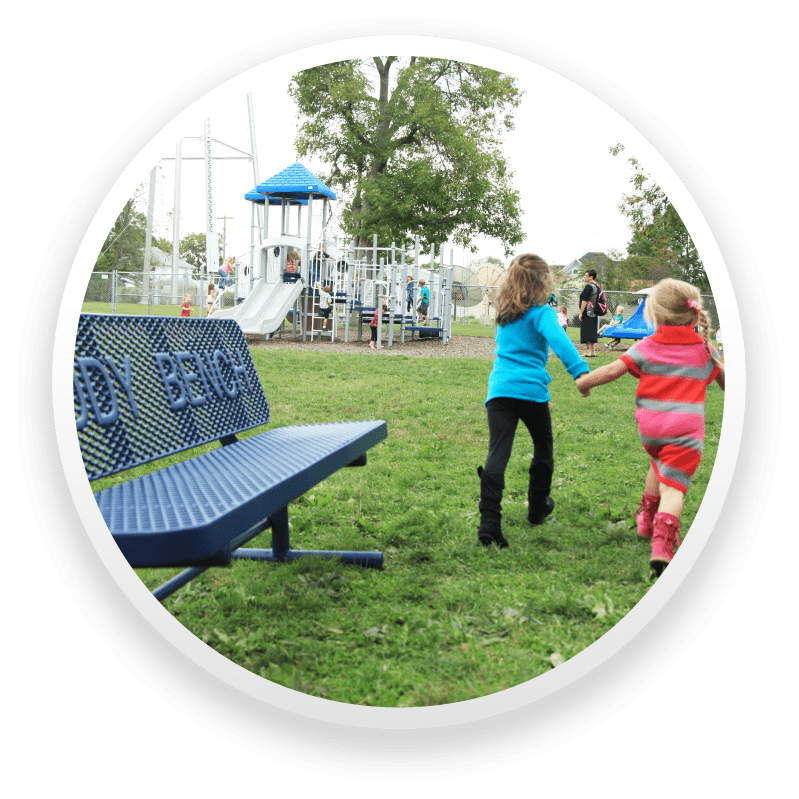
(224, 234)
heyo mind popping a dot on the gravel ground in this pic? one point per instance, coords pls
(457, 347)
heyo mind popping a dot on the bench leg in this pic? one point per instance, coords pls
(371, 560)
(178, 581)
(280, 533)
(281, 550)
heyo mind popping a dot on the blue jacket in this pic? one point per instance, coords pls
(522, 352)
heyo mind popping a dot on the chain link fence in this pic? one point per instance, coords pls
(155, 293)
(144, 293)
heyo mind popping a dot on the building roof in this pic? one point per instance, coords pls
(161, 261)
(599, 259)
(295, 181)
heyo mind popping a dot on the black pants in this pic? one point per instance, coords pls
(504, 414)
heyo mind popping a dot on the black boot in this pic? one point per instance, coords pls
(490, 530)
(539, 503)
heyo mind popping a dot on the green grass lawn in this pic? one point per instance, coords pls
(447, 619)
(137, 308)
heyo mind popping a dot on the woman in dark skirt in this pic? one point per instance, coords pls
(588, 322)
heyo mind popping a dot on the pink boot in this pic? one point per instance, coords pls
(372, 344)
(665, 534)
(645, 514)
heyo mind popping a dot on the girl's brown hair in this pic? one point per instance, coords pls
(528, 282)
(674, 302)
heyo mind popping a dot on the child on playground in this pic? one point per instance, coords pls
(224, 272)
(185, 309)
(424, 301)
(563, 320)
(674, 366)
(373, 325)
(325, 302)
(211, 297)
(617, 319)
(518, 389)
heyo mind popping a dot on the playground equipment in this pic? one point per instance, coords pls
(636, 327)
(490, 276)
(466, 289)
(290, 268)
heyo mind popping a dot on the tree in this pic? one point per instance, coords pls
(123, 248)
(192, 250)
(491, 259)
(416, 153)
(660, 239)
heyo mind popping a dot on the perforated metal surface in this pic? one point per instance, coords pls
(188, 511)
(146, 387)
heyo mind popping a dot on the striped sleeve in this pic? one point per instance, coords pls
(634, 360)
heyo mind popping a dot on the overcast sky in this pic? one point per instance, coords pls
(570, 185)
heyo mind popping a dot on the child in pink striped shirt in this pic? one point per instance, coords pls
(674, 366)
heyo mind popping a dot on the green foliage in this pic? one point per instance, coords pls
(123, 248)
(447, 620)
(490, 260)
(660, 245)
(192, 250)
(416, 153)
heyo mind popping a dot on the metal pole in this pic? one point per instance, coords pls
(392, 311)
(148, 235)
(348, 297)
(306, 266)
(176, 211)
(224, 234)
(415, 322)
(374, 256)
(211, 247)
(439, 298)
(447, 321)
(252, 243)
(404, 294)
(379, 303)
(255, 170)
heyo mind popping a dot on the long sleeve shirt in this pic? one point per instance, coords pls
(522, 352)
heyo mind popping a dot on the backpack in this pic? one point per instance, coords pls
(601, 302)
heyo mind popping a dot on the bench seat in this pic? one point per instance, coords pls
(147, 388)
(183, 515)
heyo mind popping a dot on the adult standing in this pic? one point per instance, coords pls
(588, 321)
(410, 286)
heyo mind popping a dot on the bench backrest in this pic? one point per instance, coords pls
(146, 387)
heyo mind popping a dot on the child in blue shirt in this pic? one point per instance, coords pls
(518, 390)
(424, 301)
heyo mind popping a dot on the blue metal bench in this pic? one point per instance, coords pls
(149, 387)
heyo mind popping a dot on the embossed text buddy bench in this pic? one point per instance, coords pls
(147, 387)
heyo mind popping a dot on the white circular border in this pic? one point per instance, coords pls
(655, 148)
